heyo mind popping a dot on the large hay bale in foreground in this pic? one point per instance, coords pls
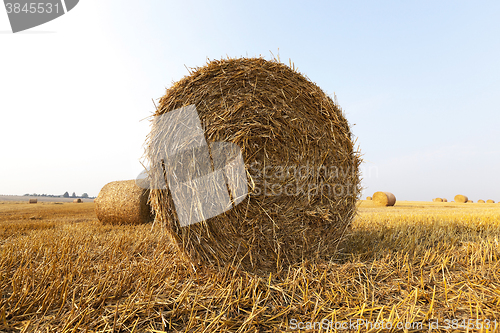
(123, 202)
(77, 200)
(490, 201)
(33, 201)
(297, 148)
(461, 198)
(384, 198)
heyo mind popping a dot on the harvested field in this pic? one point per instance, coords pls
(408, 263)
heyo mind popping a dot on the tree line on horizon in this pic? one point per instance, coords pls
(65, 195)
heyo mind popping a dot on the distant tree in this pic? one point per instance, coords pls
(66, 195)
(85, 195)
(73, 195)
(26, 195)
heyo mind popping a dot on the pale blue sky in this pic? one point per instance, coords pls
(419, 79)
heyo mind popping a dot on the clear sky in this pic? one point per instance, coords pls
(418, 80)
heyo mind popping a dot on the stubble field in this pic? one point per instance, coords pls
(418, 266)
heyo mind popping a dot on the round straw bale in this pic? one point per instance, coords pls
(368, 198)
(470, 201)
(480, 201)
(301, 164)
(445, 200)
(33, 201)
(437, 200)
(384, 198)
(461, 198)
(77, 200)
(490, 201)
(123, 202)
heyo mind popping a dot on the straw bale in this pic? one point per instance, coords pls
(437, 200)
(490, 201)
(384, 198)
(480, 201)
(470, 201)
(461, 198)
(33, 201)
(281, 121)
(77, 200)
(368, 198)
(123, 202)
(445, 200)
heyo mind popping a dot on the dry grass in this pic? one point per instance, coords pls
(410, 263)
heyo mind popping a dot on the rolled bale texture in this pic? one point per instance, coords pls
(445, 200)
(77, 200)
(480, 201)
(461, 198)
(490, 201)
(33, 201)
(282, 122)
(123, 202)
(384, 198)
(437, 200)
(368, 198)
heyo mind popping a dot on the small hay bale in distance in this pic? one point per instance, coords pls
(123, 202)
(368, 198)
(384, 198)
(77, 200)
(490, 201)
(281, 120)
(461, 198)
(437, 200)
(480, 201)
(470, 201)
(445, 200)
(33, 201)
